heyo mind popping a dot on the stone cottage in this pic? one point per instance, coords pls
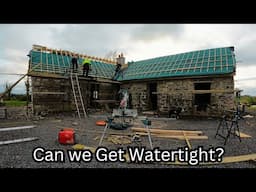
(201, 82)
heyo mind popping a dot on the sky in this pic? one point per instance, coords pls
(135, 41)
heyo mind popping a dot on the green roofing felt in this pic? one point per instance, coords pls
(195, 63)
(202, 62)
(60, 64)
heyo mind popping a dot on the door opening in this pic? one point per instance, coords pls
(153, 96)
(204, 99)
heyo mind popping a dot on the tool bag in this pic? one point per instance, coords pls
(118, 126)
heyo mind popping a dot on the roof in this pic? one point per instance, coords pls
(195, 63)
(60, 64)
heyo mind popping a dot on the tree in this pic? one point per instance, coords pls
(253, 100)
(7, 87)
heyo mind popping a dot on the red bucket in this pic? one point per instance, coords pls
(67, 136)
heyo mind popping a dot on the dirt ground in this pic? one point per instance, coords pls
(19, 155)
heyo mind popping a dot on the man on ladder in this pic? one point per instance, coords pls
(86, 66)
(118, 67)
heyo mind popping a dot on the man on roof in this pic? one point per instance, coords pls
(74, 62)
(86, 66)
(118, 67)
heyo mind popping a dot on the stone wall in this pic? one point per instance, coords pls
(222, 101)
(65, 101)
(172, 92)
(50, 102)
(108, 91)
(138, 95)
(177, 92)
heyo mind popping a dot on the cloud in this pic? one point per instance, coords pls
(241, 36)
(152, 32)
(245, 54)
(136, 41)
(23, 36)
(11, 79)
(245, 79)
(16, 41)
(248, 86)
(92, 39)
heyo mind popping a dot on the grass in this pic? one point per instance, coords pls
(252, 107)
(15, 103)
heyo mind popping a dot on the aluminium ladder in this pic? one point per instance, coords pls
(77, 95)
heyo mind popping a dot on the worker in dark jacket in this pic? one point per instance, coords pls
(118, 67)
(74, 63)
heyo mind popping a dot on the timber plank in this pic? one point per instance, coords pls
(18, 140)
(17, 128)
(181, 136)
(167, 131)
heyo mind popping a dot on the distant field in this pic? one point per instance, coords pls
(252, 107)
(15, 103)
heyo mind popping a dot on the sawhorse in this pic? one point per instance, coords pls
(109, 121)
(147, 123)
(223, 125)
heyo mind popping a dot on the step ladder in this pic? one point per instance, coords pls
(77, 95)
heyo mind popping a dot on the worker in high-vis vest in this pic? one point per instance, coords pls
(86, 66)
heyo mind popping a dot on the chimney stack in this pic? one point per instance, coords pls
(120, 59)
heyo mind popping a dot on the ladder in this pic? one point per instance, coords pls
(77, 95)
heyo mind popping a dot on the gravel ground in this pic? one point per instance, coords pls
(20, 155)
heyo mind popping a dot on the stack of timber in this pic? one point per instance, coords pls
(175, 134)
